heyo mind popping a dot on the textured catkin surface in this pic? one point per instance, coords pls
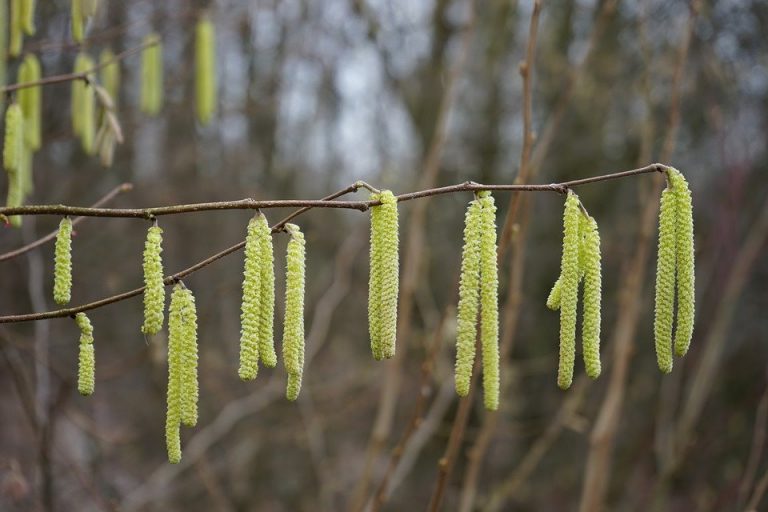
(665, 280)
(489, 303)
(469, 298)
(86, 369)
(684, 253)
(173, 398)
(590, 335)
(30, 100)
(154, 291)
(205, 70)
(62, 267)
(384, 276)
(189, 385)
(569, 275)
(293, 329)
(251, 304)
(267, 352)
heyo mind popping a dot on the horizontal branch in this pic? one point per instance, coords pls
(306, 205)
(253, 204)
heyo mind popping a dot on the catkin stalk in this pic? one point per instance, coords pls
(569, 273)
(684, 252)
(590, 334)
(154, 288)
(86, 380)
(665, 280)
(62, 269)
(384, 276)
(205, 69)
(489, 304)
(293, 327)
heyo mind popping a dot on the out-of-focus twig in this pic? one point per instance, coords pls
(756, 448)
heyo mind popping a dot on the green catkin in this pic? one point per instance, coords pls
(28, 16)
(88, 135)
(89, 7)
(205, 69)
(16, 28)
(469, 300)
(176, 331)
(62, 268)
(267, 296)
(684, 252)
(154, 288)
(13, 149)
(30, 100)
(569, 273)
(83, 63)
(489, 304)
(665, 280)
(152, 75)
(86, 380)
(553, 300)
(590, 334)
(109, 75)
(384, 276)
(77, 20)
(293, 326)
(189, 358)
(250, 308)
(4, 19)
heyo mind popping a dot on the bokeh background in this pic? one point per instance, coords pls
(405, 95)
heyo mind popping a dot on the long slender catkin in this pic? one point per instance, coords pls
(175, 372)
(30, 100)
(189, 383)
(384, 276)
(293, 326)
(28, 16)
(109, 74)
(684, 252)
(267, 352)
(86, 380)
(250, 308)
(569, 273)
(205, 69)
(665, 280)
(62, 268)
(489, 303)
(469, 298)
(152, 75)
(590, 334)
(77, 20)
(154, 288)
(13, 148)
(16, 29)
(4, 19)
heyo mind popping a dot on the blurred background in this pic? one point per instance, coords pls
(405, 95)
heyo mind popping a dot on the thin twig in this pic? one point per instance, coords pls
(755, 449)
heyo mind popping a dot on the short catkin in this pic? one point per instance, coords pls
(590, 334)
(189, 360)
(569, 274)
(489, 307)
(152, 75)
(469, 297)
(384, 276)
(293, 325)
(86, 380)
(250, 309)
(205, 69)
(684, 252)
(62, 268)
(154, 288)
(665, 280)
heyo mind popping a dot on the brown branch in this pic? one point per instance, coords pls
(125, 187)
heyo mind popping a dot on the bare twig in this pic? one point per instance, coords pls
(756, 448)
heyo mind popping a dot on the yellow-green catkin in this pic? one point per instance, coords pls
(13, 149)
(189, 360)
(293, 326)
(83, 105)
(16, 28)
(109, 74)
(250, 307)
(77, 20)
(384, 278)
(469, 298)
(152, 75)
(62, 267)
(569, 275)
(28, 16)
(4, 19)
(154, 288)
(176, 332)
(665, 280)
(267, 352)
(684, 252)
(489, 302)
(86, 369)
(205, 69)
(88, 134)
(30, 100)
(590, 333)
(553, 300)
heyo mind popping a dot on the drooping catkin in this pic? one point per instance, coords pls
(189, 384)
(86, 369)
(152, 75)
(109, 75)
(250, 309)
(569, 274)
(489, 303)
(30, 100)
(469, 298)
(14, 137)
(62, 268)
(553, 299)
(16, 28)
(665, 280)
(684, 252)
(77, 20)
(88, 135)
(590, 333)
(384, 278)
(4, 19)
(154, 288)
(205, 69)
(293, 326)
(28, 16)
(82, 122)
(176, 331)
(267, 296)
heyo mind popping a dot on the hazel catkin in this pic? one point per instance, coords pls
(569, 273)
(175, 371)
(14, 133)
(267, 352)
(590, 334)
(86, 361)
(665, 280)
(251, 304)
(16, 28)
(109, 74)
(384, 275)
(154, 288)
(189, 360)
(205, 69)
(684, 253)
(62, 269)
(152, 75)
(30, 100)
(293, 326)
(489, 307)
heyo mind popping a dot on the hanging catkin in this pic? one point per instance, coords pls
(16, 28)
(469, 298)
(62, 268)
(293, 326)
(154, 288)
(384, 276)
(250, 307)
(189, 384)
(13, 147)
(665, 280)
(30, 100)
(81, 121)
(590, 334)
(489, 307)
(109, 75)
(205, 69)
(28, 16)
(86, 362)
(77, 21)
(152, 75)
(267, 295)
(4, 19)
(87, 137)
(176, 332)
(569, 275)
(684, 253)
